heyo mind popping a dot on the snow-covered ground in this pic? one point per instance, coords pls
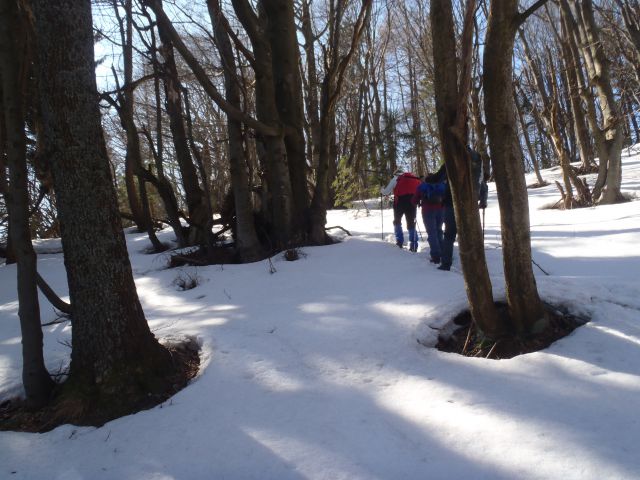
(315, 371)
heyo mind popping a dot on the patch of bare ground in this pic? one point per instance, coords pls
(467, 340)
(15, 414)
(537, 185)
(219, 255)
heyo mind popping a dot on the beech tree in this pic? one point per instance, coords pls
(114, 354)
(452, 91)
(525, 306)
(248, 245)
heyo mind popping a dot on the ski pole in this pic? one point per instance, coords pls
(381, 218)
(483, 210)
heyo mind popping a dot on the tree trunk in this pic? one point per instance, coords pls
(312, 82)
(525, 307)
(282, 35)
(332, 82)
(598, 68)
(416, 127)
(451, 109)
(133, 157)
(278, 176)
(571, 69)
(195, 196)
(163, 185)
(113, 351)
(13, 65)
(530, 149)
(247, 243)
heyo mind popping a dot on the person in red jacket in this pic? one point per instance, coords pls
(404, 186)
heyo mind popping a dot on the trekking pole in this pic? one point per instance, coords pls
(381, 218)
(483, 210)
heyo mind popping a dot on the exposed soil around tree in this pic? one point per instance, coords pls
(200, 257)
(467, 340)
(15, 415)
(537, 185)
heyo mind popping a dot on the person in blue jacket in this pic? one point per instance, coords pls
(430, 196)
(448, 214)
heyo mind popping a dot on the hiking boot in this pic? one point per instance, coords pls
(399, 243)
(435, 260)
(444, 267)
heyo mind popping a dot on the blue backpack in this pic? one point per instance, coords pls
(432, 193)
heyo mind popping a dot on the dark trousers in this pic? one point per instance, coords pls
(450, 231)
(404, 207)
(433, 219)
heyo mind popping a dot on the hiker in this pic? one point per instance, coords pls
(450, 228)
(448, 218)
(404, 186)
(430, 196)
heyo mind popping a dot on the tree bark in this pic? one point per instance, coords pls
(113, 351)
(527, 139)
(330, 91)
(451, 109)
(525, 307)
(278, 175)
(133, 157)
(13, 67)
(572, 69)
(270, 137)
(598, 68)
(281, 32)
(247, 243)
(195, 196)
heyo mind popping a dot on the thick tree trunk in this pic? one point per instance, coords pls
(13, 65)
(247, 243)
(525, 306)
(282, 35)
(113, 350)
(278, 177)
(451, 109)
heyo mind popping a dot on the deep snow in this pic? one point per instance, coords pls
(316, 372)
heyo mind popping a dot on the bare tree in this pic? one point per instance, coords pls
(609, 143)
(114, 354)
(452, 90)
(248, 245)
(336, 65)
(525, 307)
(14, 67)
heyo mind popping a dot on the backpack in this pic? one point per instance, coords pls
(406, 185)
(478, 177)
(432, 193)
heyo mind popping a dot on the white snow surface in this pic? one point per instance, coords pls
(318, 371)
